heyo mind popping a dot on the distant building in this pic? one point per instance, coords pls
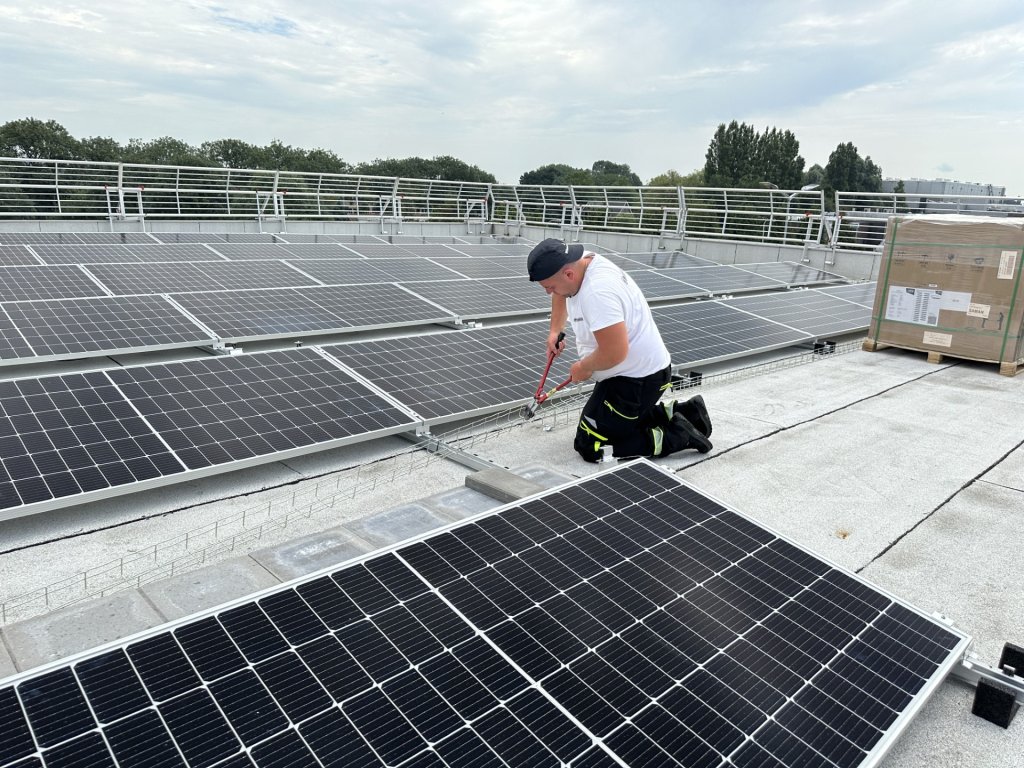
(928, 187)
(946, 196)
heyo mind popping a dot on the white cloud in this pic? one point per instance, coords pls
(512, 84)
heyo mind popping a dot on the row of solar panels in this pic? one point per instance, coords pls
(623, 620)
(74, 437)
(22, 255)
(159, 309)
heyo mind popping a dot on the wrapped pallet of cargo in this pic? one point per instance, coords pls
(951, 286)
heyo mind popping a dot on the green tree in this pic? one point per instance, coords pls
(847, 171)
(739, 156)
(778, 159)
(899, 189)
(232, 153)
(164, 151)
(444, 167)
(101, 149)
(34, 139)
(732, 156)
(557, 174)
(605, 173)
(814, 175)
(672, 178)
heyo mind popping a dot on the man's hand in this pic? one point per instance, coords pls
(555, 346)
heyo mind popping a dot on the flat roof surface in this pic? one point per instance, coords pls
(907, 472)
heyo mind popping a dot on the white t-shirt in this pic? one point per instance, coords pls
(608, 296)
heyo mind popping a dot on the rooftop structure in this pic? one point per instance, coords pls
(861, 458)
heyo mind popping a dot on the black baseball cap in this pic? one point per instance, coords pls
(549, 256)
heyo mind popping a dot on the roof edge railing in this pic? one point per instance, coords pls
(32, 188)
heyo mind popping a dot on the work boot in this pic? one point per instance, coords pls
(681, 434)
(694, 411)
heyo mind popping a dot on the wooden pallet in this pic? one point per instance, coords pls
(1008, 368)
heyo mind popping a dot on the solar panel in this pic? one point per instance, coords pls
(46, 282)
(241, 315)
(248, 237)
(656, 285)
(174, 252)
(457, 373)
(378, 250)
(188, 237)
(289, 237)
(415, 268)
(84, 254)
(667, 259)
(16, 255)
(64, 436)
(243, 251)
(102, 325)
(31, 238)
(234, 408)
(791, 273)
(196, 276)
(723, 279)
(861, 293)
(12, 344)
(479, 298)
(505, 266)
(492, 250)
(354, 271)
(706, 331)
(623, 620)
(317, 251)
(115, 237)
(810, 311)
(430, 250)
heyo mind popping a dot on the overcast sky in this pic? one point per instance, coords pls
(926, 88)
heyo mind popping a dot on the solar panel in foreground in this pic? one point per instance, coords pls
(623, 620)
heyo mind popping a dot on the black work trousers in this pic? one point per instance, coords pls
(624, 412)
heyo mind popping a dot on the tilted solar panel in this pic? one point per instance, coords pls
(126, 279)
(705, 331)
(64, 436)
(623, 620)
(791, 273)
(84, 254)
(241, 315)
(723, 278)
(656, 285)
(31, 238)
(65, 439)
(115, 237)
(666, 259)
(103, 325)
(861, 293)
(504, 266)
(483, 297)
(233, 408)
(13, 345)
(46, 282)
(456, 373)
(813, 312)
(17, 255)
(377, 250)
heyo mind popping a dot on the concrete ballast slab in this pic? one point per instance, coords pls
(208, 587)
(38, 641)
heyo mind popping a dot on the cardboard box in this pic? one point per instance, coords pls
(952, 285)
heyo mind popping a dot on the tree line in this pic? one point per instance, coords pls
(738, 156)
